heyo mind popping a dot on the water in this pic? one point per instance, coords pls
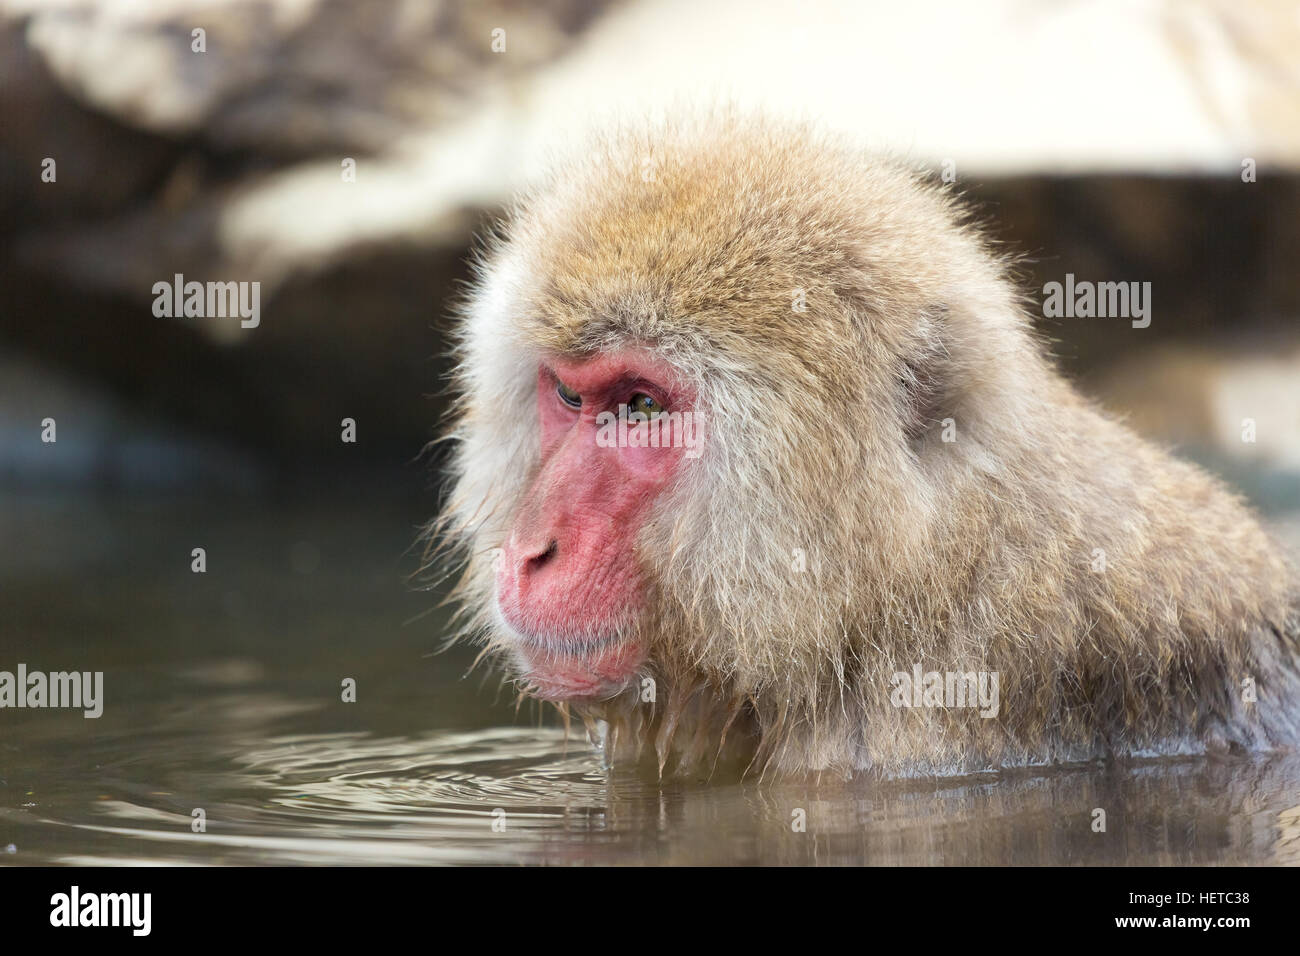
(223, 694)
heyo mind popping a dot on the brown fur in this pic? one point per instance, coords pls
(824, 439)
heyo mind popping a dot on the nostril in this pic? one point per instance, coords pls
(536, 562)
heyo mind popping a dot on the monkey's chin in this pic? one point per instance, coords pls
(577, 669)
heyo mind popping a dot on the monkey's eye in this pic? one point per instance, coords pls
(645, 404)
(568, 396)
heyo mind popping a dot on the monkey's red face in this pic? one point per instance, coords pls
(615, 430)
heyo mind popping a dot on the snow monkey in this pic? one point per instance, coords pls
(755, 448)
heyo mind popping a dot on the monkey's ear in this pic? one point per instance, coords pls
(927, 380)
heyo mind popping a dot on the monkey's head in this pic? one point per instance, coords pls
(701, 376)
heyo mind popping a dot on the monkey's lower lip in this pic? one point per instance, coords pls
(585, 669)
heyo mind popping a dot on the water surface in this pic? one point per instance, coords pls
(223, 694)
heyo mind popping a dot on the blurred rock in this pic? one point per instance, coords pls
(282, 94)
(287, 89)
(290, 78)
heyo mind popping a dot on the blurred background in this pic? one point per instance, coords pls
(1103, 139)
(1151, 142)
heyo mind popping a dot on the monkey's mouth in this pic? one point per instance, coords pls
(580, 668)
